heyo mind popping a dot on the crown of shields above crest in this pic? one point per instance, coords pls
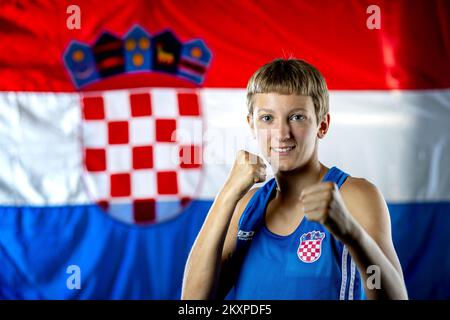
(137, 51)
(142, 151)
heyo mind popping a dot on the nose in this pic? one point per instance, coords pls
(282, 131)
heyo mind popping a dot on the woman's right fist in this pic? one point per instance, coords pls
(247, 170)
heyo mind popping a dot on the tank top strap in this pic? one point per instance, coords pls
(336, 175)
(253, 215)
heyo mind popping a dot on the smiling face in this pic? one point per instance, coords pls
(286, 128)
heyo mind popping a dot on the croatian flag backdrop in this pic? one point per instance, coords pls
(116, 137)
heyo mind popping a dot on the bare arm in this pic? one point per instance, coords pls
(370, 242)
(215, 242)
(203, 265)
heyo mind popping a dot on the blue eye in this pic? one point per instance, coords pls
(296, 117)
(266, 118)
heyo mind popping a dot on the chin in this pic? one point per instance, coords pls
(286, 168)
(282, 167)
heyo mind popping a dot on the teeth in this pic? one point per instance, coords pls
(282, 149)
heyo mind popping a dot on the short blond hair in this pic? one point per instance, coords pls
(290, 76)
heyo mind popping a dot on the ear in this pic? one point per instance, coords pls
(324, 125)
(251, 124)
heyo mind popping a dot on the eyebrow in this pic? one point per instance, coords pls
(296, 109)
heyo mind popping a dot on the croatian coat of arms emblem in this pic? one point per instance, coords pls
(310, 247)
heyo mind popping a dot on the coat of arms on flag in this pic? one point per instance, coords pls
(310, 248)
(142, 147)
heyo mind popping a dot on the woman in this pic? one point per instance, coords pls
(311, 232)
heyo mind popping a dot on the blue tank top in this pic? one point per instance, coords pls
(309, 264)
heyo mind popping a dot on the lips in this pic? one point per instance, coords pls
(284, 149)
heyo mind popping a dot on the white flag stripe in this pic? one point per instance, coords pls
(399, 140)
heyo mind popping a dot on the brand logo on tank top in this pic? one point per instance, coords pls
(310, 247)
(245, 235)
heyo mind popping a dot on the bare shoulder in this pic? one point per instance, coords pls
(366, 204)
(358, 192)
(354, 187)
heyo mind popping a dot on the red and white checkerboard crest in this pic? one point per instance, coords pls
(142, 151)
(310, 248)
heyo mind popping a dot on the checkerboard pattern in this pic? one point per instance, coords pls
(310, 250)
(142, 151)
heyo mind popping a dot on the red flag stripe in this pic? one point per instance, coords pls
(410, 51)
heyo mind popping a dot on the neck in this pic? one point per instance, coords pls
(291, 183)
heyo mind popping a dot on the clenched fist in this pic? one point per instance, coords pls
(322, 202)
(247, 170)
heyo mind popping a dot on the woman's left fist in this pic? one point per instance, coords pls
(322, 202)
